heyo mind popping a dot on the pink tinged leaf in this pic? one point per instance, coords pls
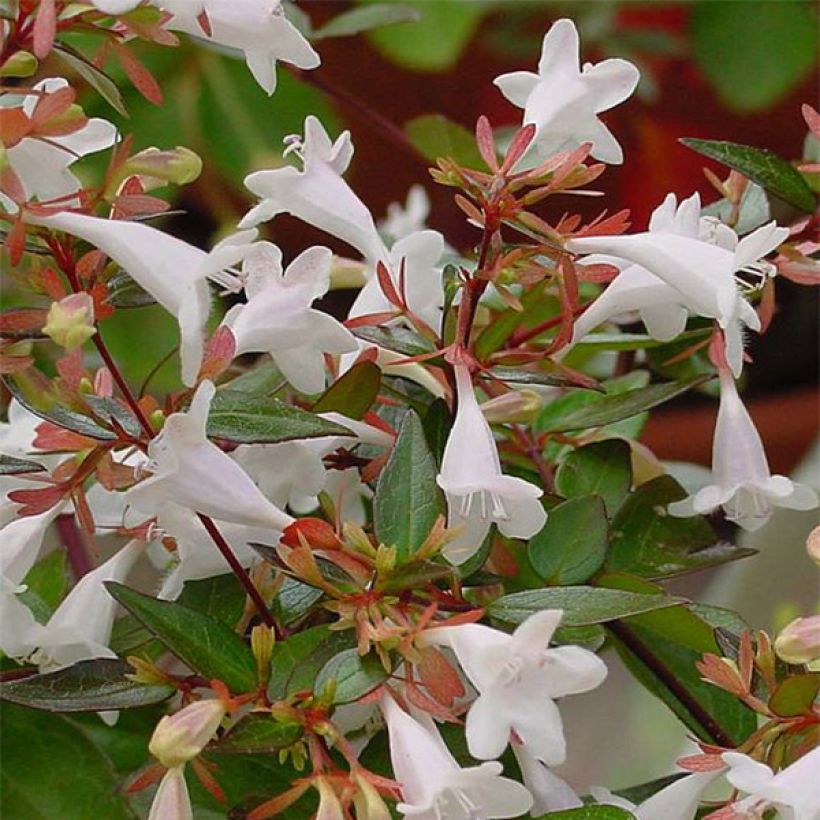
(439, 677)
(767, 307)
(53, 105)
(486, 143)
(35, 502)
(219, 354)
(204, 22)
(812, 119)
(387, 286)
(518, 146)
(45, 28)
(142, 79)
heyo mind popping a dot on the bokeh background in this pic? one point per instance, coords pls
(719, 69)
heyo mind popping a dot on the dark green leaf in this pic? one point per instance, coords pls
(590, 637)
(408, 500)
(646, 540)
(761, 166)
(208, 646)
(97, 685)
(250, 420)
(46, 584)
(436, 136)
(604, 410)
(437, 423)
(108, 409)
(18, 466)
(637, 794)
(398, 339)
(221, 596)
(635, 341)
(124, 292)
(571, 546)
(51, 769)
(354, 393)
(493, 336)
(354, 676)
(262, 380)
(366, 18)
(795, 695)
(590, 813)
(257, 733)
(95, 77)
(602, 468)
(545, 376)
(295, 600)
(415, 575)
(582, 605)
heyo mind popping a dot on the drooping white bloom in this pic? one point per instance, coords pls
(317, 194)
(517, 678)
(180, 737)
(434, 786)
(478, 493)
(175, 273)
(172, 801)
(702, 272)
(793, 791)
(549, 791)
(677, 801)
(278, 317)
(259, 28)
(80, 627)
(403, 219)
(42, 165)
(563, 101)
(192, 472)
(743, 484)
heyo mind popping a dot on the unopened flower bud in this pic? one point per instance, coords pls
(385, 559)
(799, 642)
(330, 808)
(70, 322)
(20, 64)
(157, 419)
(172, 799)
(181, 737)
(155, 167)
(347, 273)
(147, 672)
(518, 406)
(368, 802)
(813, 545)
(262, 641)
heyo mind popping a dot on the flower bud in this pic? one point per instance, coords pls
(20, 64)
(330, 808)
(70, 322)
(262, 641)
(172, 801)
(813, 545)
(181, 737)
(799, 642)
(177, 165)
(514, 406)
(368, 802)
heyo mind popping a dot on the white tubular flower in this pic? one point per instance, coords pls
(278, 317)
(478, 493)
(793, 791)
(172, 801)
(550, 792)
(517, 678)
(259, 28)
(563, 101)
(407, 218)
(700, 270)
(192, 472)
(80, 627)
(799, 641)
(115, 6)
(677, 801)
(175, 273)
(42, 165)
(182, 736)
(434, 786)
(317, 194)
(18, 433)
(744, 486)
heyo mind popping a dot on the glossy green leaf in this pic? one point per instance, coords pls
(220, 596)
(647, 540)
(257, 733)
(46, 584)
(18, 466)
(51, 769)
(582, 605)
(571, 546)
(549, 376)
(207, 645)
(236, 417)
(493, 337)
(295, 600)
(590, 813)
(761, 166)
(367, 18)
(600, 411)
(408, 500)
(795, 695)
(97, 685)
(637, 794)
(94, 76)
(124, 292)
(398, 339)
(353, 675)
(436, 136)
(110, 410)
(262, 380)
(603, 468)
(354, 393)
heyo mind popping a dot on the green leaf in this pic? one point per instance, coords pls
(761, 166)
(124, 292)
(536, 307)
(18, 466)
(602, 468)
(660, 648)
(257, 733)
(262, 380)
(582, 605)
(435, 136)
(398, 339)
(46, 583)
(295, 600)
(250, 420)
(516, 375)
(604, 410)
(109, 409)
(438, 420)
(646, 540)
(221, 596)
(571, 546)
(637, 794)
(354, 675)
(635, 341)
(354, 393)
(795, 695)
(408, 500)
(97, 685)
(94, 76)
(51, 769)
(590, 813)
(754, 53)
(367, 18)
(208, 646)
(754, 210)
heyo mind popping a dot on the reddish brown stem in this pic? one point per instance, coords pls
(75, 546)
